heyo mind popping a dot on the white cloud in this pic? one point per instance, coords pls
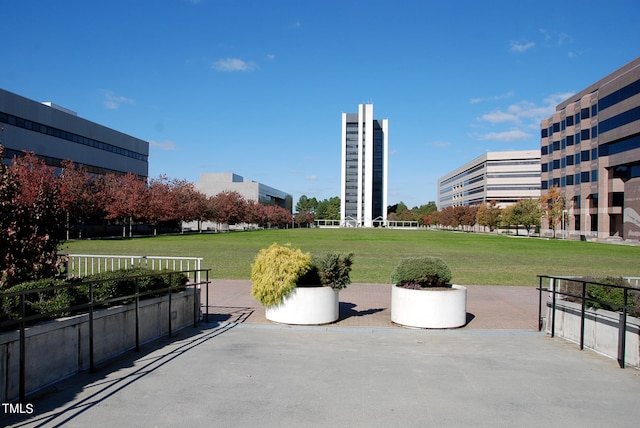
(513, 135)
(521, 47)
(271, 57)
(234, 64)
(499, 97)
(165, 145)
(113, 101)
(311, 177)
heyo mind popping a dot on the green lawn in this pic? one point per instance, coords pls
(473, 258)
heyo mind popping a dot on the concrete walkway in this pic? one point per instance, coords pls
(240, 370)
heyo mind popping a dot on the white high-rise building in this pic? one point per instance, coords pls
(364, 177)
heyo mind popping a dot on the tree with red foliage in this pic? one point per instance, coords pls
(31, 220)
(254, 213)
(78, 194)
(229, 207)
(125, 199)
(277, 216)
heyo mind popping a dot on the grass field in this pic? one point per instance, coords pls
(474, 259)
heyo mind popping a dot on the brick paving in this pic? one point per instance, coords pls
(368, 305)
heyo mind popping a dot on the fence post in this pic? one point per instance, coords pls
(582, 314)
(23, 347)
(91, 362)
(539, 303)
(553, 307)
(137, 315)
(622, 332)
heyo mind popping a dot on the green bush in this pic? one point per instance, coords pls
(608, 297)
(106, 286)
(330, 269)
(421, 272)
(42, 302)
(276, 271)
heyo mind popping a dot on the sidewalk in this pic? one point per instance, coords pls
(240, 370)
(368, 305)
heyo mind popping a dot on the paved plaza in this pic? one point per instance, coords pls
(241, 370)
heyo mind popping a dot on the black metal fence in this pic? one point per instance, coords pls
(194, 284)
(579, 293)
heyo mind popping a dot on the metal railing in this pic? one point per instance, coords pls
(80, 265)
(22, 320)
(583, 298)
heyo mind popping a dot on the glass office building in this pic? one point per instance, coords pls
(364, 174)
(590, 150)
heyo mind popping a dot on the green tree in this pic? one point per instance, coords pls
(306, 204)
(489, 215)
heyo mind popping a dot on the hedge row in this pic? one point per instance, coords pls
(68, 296)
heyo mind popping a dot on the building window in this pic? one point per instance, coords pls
(570, 160)
(584, 176)
(594, 175)
(594, 132)
(577, 117)
(569, 180)
(577, 178)
(584, 113)
(569, 120)
(594, 110)
(544, 150)
(577, 137)
(544, 133)
(544, 184)
(545, 167)
(556, 164)
(569, 140)
(556, 127)
(594, 153)
(584, 156)
(584, 134)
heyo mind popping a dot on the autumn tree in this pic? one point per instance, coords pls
(553, 205)
(31, 220)
(255, 213)
(125, 199)
(78, 194)
(277, 216)
(229, 207)
(488, 215)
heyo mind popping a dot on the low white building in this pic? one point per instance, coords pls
(504, 177)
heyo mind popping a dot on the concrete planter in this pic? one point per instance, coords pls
(307, 306)
(429, 308)
(60, 348)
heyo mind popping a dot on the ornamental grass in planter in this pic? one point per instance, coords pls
(422, 295)
(297, 288)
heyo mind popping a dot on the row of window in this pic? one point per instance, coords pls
(570, 120)
(571, 180)
(64, 135)
(570, 140)
(583, 156)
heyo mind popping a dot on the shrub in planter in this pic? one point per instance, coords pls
(42, 302)
(279, 269)
(421, 272)
(422, 295)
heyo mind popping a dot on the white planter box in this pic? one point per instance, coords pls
(429, 308)
(307, 306)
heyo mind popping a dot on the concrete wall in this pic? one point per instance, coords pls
(601, 329)
(60, 348)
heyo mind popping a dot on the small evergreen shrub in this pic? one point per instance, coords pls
(42, 302)
(330, 269)
(608, 297)
(421, 272)
(276, 271)
(108, 285)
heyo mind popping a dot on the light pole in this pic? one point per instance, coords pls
(564, 213)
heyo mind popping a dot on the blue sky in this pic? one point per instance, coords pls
(258, 87)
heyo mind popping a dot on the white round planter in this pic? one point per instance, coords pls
(307, 306)
(429, 308)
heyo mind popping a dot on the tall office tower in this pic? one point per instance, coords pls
(363, 196)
